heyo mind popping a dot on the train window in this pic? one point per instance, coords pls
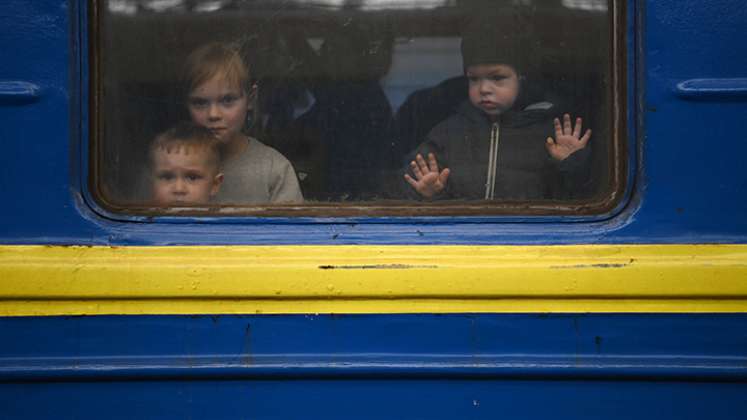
(365, 107)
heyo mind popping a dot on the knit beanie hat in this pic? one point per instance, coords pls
(491, 40)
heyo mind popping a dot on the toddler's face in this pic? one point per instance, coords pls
(184, 176)
(219, 106)
(493, 88)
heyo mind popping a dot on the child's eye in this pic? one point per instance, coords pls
(198, 102)
(498, 78)
(194, 177)
(165, 176)
(229, 99)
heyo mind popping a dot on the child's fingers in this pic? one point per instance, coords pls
(585, 138)
(567, 124)
(444, 176)
(416, 170)
(421, 164)
(577, 128)
(551, 146)
(558, 128)
(432, 163)
(411, 181)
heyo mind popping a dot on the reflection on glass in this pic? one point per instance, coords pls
(589, 5)
(377, 4)
(164, 5)
(207, 6)
(349, 91)
(403, 4)
(127, 7)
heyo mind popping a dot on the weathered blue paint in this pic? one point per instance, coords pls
(379, 399)
(420, 366)
(560, 346)
(693, 192)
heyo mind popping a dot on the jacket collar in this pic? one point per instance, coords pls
(510, 118)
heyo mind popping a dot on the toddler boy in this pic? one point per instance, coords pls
(185, 166)
(489, 149)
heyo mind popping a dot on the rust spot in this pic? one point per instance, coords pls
(375, 267)
(605, 265)
(609, 265)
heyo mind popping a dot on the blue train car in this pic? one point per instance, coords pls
(627, 302)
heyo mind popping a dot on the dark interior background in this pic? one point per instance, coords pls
(365, 118)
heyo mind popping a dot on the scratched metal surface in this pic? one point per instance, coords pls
(689, 184)
(375, 366)
(380, 399)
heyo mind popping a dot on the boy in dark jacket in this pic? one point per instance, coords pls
(490, 150)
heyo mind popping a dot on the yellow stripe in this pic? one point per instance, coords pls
(52, 280)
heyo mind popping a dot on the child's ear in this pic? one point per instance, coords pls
(217, 181)
(251, 96)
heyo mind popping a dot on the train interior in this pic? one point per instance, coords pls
(345, 90)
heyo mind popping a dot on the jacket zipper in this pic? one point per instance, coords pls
(495, 138)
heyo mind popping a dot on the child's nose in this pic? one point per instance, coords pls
(180, 187)
(214, 112)
(484, 86)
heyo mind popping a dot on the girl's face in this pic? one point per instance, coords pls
(493, 88)
(219, 106)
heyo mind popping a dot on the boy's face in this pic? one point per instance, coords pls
(219, 106)
(184, 176)
(493, 88)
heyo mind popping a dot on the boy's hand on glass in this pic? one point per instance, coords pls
(428, 180)
(567, 138)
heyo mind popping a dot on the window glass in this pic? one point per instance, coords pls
(356, 106)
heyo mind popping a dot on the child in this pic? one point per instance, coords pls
(219, 97)
(185, 166)
(489, 149)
